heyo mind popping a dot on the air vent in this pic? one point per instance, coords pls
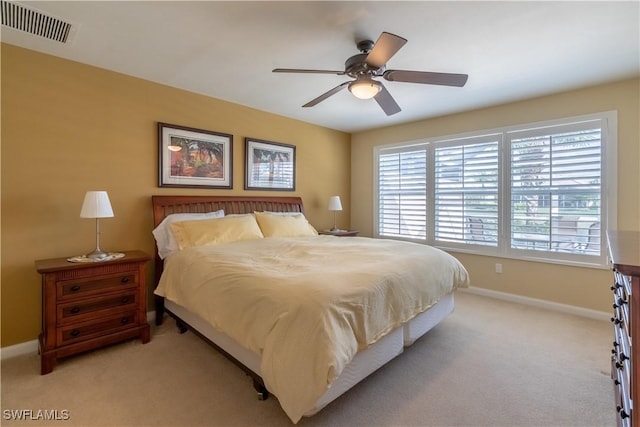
(34, 22)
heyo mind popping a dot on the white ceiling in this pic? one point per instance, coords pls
(510, 50)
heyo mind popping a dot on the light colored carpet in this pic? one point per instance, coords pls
(491, 363)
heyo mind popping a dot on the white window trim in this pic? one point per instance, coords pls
(609, 140)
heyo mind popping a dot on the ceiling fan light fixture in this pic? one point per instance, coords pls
(365, 88)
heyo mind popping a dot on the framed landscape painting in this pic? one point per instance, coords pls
(190, 157)
(269, 165)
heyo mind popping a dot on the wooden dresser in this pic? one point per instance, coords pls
(624, 250)
(89, 305)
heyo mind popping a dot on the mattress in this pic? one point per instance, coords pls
(308, 305)
(423, 322)
(363, 364)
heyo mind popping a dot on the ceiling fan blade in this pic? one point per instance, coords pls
(386, 102)
(326, 95)
(296, 70)
(425, 77)
(385, 47)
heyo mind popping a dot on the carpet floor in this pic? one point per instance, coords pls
(491, 363)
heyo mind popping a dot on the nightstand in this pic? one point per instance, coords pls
(89, 305)
(341, 233)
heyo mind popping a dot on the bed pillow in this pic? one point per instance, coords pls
(284, 225)
(283, 213)
(164, 237)
(216, 230)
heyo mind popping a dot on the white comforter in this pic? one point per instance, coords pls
(306, 305)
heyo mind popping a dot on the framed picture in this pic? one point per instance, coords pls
(269, 165)
(191, 157)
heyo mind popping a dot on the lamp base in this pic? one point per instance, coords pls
(97, 254)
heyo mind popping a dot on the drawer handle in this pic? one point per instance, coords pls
(124, 280)
(75, 333)
(623, 357)
(619, 365)
(615, 286)
(124, 320)
(619, 303)
(616, 320)
(124, 300)
(75, 310)
(623, 414)
(75, 288)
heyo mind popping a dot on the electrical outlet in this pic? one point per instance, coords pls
(498, 267)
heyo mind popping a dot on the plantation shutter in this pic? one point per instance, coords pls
(466, 192)
(542, 191)
(556, 198)
(402, 192)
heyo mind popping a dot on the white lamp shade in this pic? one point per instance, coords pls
(96, 205)
(364, 88)
(335, 204)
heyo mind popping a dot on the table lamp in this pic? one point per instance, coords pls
(96, 205)
(335, 205)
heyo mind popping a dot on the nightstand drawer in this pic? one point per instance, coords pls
(79, 332)
(340, 233)
(86, 287)
(102, 306)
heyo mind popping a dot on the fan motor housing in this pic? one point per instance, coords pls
(357, 66)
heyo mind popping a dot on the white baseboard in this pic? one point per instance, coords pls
(31, 347)
(549, 305)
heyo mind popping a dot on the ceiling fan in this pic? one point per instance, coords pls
(371, 63)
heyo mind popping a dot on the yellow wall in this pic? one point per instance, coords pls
(583, 287)
(68, 128)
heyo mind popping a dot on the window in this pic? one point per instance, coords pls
(529, 192)
(402, 193)
(466, 192)
(556, 181)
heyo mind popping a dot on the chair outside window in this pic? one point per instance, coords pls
(564, 233)
(476, 228)
(593, 239)
(481, 230)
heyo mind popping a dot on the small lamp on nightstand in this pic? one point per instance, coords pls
(335, 205)
(96, 205)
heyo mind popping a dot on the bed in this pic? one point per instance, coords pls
(304, 335)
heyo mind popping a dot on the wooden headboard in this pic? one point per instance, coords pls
(167, 205)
